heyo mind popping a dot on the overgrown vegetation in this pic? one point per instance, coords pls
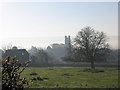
(11, 74)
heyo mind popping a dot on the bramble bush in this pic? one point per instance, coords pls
(11, 74)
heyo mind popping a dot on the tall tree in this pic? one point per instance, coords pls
(42, 56)
(39, 56)
(91, 45)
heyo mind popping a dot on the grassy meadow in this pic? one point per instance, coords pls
(74, 77)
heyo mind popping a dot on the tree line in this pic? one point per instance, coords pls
(89, 45)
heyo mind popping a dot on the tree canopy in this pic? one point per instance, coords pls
(90, 45)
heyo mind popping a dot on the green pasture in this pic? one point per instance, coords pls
(74, 77)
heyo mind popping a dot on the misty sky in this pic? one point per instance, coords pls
(40, 24)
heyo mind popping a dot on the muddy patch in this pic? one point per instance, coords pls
(33, 74)
(39, 79)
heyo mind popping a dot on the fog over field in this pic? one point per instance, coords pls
(43, 42)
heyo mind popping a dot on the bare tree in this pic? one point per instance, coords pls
(91, 45)
(42, 56)
(39, 56)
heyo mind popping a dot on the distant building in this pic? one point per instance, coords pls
(21, 54)
(68, 46)
(1, 53)
(67, 41)
(60, 50)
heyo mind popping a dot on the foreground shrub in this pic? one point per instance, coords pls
(11, 73)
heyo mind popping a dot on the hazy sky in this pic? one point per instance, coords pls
(42, 23)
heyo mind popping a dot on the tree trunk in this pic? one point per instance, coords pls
(92, 64)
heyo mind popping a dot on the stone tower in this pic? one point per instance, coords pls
(67, 41)
(68, 45)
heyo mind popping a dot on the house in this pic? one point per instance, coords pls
(21, 54)
(1, 53)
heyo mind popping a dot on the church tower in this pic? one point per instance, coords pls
(68, 45)
(67, 41)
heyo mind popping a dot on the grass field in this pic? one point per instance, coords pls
(72, 78)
